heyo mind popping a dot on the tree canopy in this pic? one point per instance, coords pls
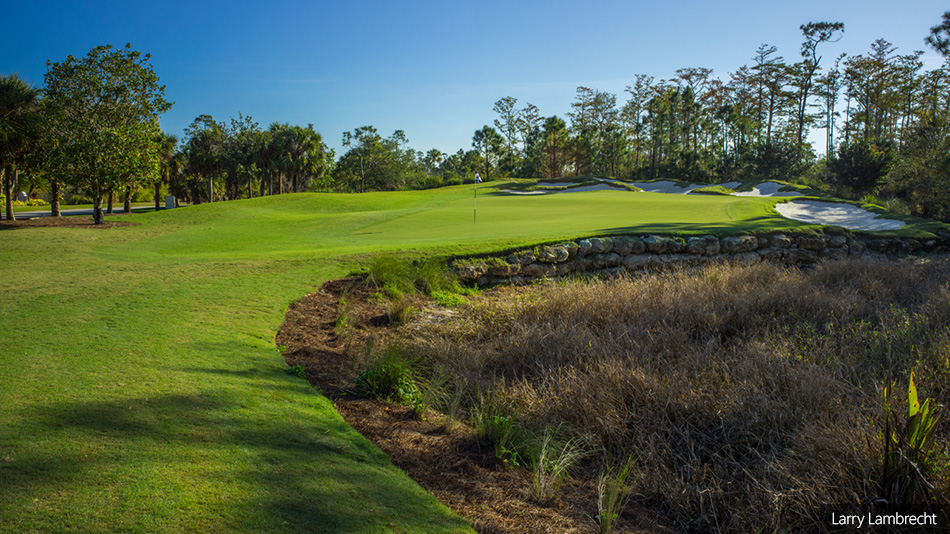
(18, 128)
(103, 112)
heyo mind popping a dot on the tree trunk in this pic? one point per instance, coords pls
(111, 201)
(54, 197)
(158, 192)
(7, 175)
(210, 190)
(97, 208)
(127, 205)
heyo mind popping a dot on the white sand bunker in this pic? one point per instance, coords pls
(516, 192)
(669, 188)
(569, 187)
(595, 187)
(834, 214)
(768, 189)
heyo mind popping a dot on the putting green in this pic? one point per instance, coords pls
(498, 216)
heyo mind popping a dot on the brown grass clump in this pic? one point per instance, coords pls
(751, 395)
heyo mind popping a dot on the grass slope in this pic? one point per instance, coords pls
(140, 389)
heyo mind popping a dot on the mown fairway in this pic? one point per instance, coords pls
(140, 388)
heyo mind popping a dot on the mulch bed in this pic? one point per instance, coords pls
(73, 221)
(451, 466)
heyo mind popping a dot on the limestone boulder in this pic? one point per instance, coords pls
(739, 244)
(553, 254)
(507, 270)
(780, 241)
(707, 245)
(523, 257)
(813, 243)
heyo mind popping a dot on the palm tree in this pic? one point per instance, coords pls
(167, 145)
(302, 154)
(18, 121)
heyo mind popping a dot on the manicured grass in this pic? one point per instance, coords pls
(140, 389)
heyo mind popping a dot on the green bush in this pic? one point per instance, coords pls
(910, 454)
(390, 377)
(495, 427)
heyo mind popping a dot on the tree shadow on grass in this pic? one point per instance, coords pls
(290, 465)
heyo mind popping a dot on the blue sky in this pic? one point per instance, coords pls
(433, 69)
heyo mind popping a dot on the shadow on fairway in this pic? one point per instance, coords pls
(315, 475)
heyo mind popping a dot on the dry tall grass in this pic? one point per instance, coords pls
(752, 395)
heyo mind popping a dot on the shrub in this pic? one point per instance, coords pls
(389, 271)
(390, 377)
(550, 465)
(613, 492)
(909, 452)
(495, 427)
(399, 309)
(862, 165)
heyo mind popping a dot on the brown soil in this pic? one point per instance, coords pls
(75, 221)
(494, 496)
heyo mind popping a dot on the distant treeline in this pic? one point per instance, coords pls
(885, 122)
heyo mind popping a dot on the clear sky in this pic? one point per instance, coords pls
(433, 69)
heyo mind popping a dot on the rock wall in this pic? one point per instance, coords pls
(611, 255)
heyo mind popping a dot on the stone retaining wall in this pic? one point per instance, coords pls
(611, 255)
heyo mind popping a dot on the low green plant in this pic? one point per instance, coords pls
(453, 402)
(389, 271)
(433, 274)
(400, 310)
(425, 276)
(390, 376)
(344, 322)
(550, 465)
(909, 452)
(613, 492)
(493, 425)
(431, 391)
(448, 299)
(392, 291)
(297, 370)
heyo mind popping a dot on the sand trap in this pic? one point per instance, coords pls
(596, 187)
(769, 189)
(569, 187)
(514, 192)
(843, 215)
(666, 187)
